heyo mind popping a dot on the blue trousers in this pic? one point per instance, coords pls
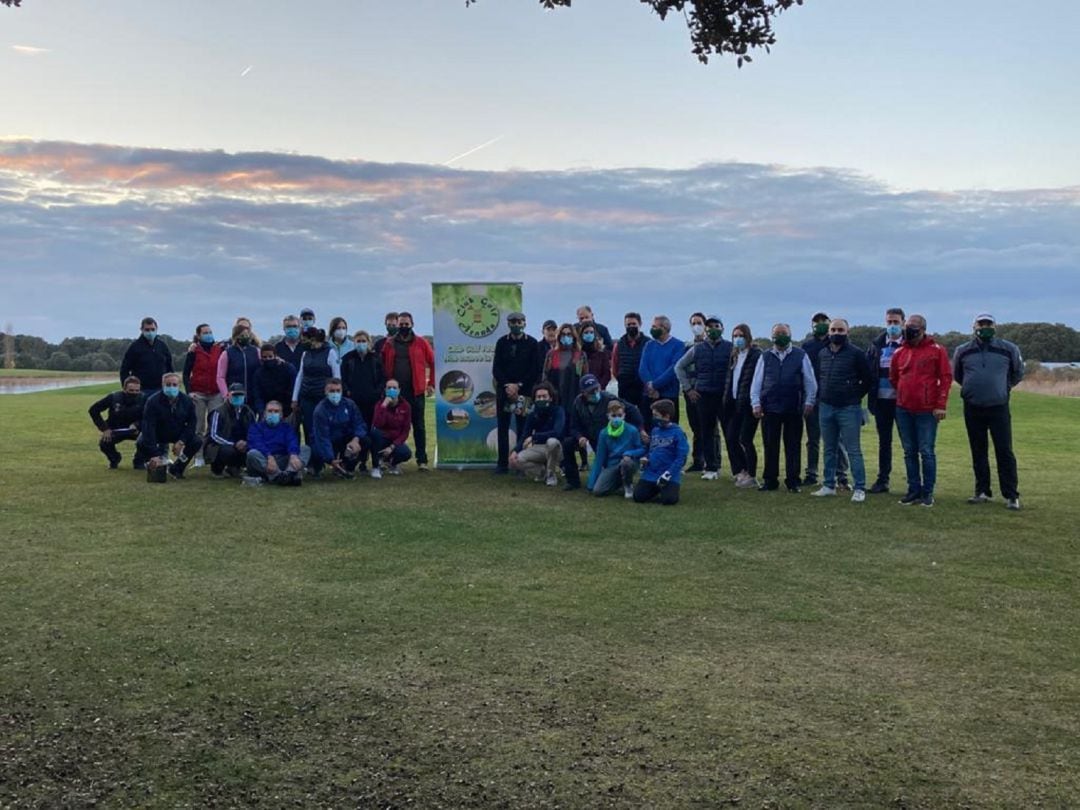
(918, 434)
(840, 428)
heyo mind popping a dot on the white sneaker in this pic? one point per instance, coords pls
(858, 496)
(710, 475)
(551, 480)
(628, 492)
(376, 472)
(199, 463)
(824, 492)
(393, 470)
(747, 483)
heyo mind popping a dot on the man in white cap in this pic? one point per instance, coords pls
(987, 368)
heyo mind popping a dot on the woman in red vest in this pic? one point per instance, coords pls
(200, 379)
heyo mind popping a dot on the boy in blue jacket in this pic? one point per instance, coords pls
(617, 454)
(668, 449)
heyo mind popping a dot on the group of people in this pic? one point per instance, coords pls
(573, 391)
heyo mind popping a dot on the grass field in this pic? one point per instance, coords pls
(35, 373)
(456, 640)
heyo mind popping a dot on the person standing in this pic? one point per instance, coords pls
(274, 381)
(783, 391)
(626, 359)
(597, 352)
(362, 377)
(987, 368)
(585, 315)
(411, 361)
(921, 374)
(742, 424)
(390, 325)
(147, 358)
(515, 373)
(565, 365)
(307, 319)
(124, 410)
(318, 364)
(844, 377)
(239, 362)
(686, 382)
(657, 368)
(881, 399)
(710, 359)
(289, 348)
(200, 380)
(818, 341)
(339, 339)
(549, 339)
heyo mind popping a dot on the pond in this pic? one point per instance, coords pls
(32, 385)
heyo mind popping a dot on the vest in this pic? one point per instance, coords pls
(316, 369)
(629, 358)
(711, 365)
(204, 370)
(782, 384)
(243, 360)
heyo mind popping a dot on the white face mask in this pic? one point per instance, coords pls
(339, 335)
(698, 329)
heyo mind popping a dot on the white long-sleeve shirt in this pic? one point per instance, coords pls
(809, 380)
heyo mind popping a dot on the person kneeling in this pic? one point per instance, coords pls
(539, 447)
(124, 411)
(339, 432)
(229, 427)
(618, 452)
(169, 420)
(274, 452)
(390, 431)
(668, 449)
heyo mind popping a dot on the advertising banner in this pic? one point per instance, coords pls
(468, 320)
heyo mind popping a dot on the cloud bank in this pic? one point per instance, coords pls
(92, 237)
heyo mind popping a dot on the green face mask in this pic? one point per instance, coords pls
(986, 332)
(715, 334)
(782, 340)
(821, 328)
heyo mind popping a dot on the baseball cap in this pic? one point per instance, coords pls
(589, 381)
(984, 316)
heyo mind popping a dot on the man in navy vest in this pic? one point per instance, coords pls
(709, 358)
(626, 357)
(782, 394)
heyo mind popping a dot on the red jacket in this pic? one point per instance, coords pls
(421, 358)
(921, 375)
(393, 423)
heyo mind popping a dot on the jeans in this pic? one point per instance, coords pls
(997, 421)
(399, 455)
(256, 461)
(884, 421)
(841, 426)
(813, 448)
(918, 433)
(611, 478)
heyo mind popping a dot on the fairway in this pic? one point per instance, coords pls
(459, 640)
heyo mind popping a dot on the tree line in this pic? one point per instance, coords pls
(1045, 342)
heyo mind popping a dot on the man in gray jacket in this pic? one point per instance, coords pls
(987, 368)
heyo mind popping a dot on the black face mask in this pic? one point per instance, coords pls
(632, 331)
(404, 331)
(838, 340)
(911, 333)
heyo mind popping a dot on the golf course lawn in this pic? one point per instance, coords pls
(458, 640)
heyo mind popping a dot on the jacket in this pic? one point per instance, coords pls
(515, 362)
(228, 425)
(657, 365)
(393, 423)
(362, 378)
(668, 449)
(147, 361)
(610, 451)
(921, 375)
(599, 365)
(279, 440)
(335, 423)
(123, 411)
(166, 421)
(541, 425)
(274, 381)
(844, 376)
(813, 348)
(421, 360)
(987, 371)
(589, 418)
(200, 370)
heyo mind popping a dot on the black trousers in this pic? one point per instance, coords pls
(228, 457)
(885, 422)
(569, 461)
(813, 450)
(631, 391)
(710, 418)
(416, 405)
(339, 446)
(996, 421)
(785, 427)
(645, 491)
(192, 445)
(121, 435)
(741, 429)
(503, 421)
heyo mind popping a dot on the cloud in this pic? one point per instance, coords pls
(112, 233)
(30, 50)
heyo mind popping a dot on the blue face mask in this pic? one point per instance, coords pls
(566, 340)
(392, 393)
(334, 397)
(307, 323)
(236, 401)
(292, 332)
(894, 330)
(207, 339)
(617, 422)
(740, 342)
(171, 391)
(149, 334)
(273, 419)
(589, 337)
(594, 396)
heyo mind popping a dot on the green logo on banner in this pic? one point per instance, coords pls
(477, 316)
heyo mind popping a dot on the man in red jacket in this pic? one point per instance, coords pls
(409, 359)
(921, 374)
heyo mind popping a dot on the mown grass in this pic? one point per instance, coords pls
(456, 640)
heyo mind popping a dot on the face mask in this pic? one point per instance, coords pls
(339, 335)
(207, 339)
(391, 329)
(616, 422)
(543, 404)
(838, 340)
(589, 337)
(782, 340)
(566, 340)
(292, 332)
(149, 334)
(821, 329)
(516, 329)
(129, 397)
(740, 342)
(236, 402)
(632, 331)
(698, 329)
(404, 331)
(334, 397)
(985, 332)
(894, 330)
(715, 334)
(307, 323)
(392, 393)
(269, 358)
(594, 396)
(362, 347)
(243, 340)
(171, 391)
(656, 332)
(273, 419)
(660, 421)
(912, 333)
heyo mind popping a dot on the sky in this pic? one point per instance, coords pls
(202, 160)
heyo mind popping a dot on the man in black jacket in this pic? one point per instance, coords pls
(227, 447)
(146, 358)
(515, 373)
(585, 418)
(844, 377)
(169, 419)
(125, 410)
(818, 341)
